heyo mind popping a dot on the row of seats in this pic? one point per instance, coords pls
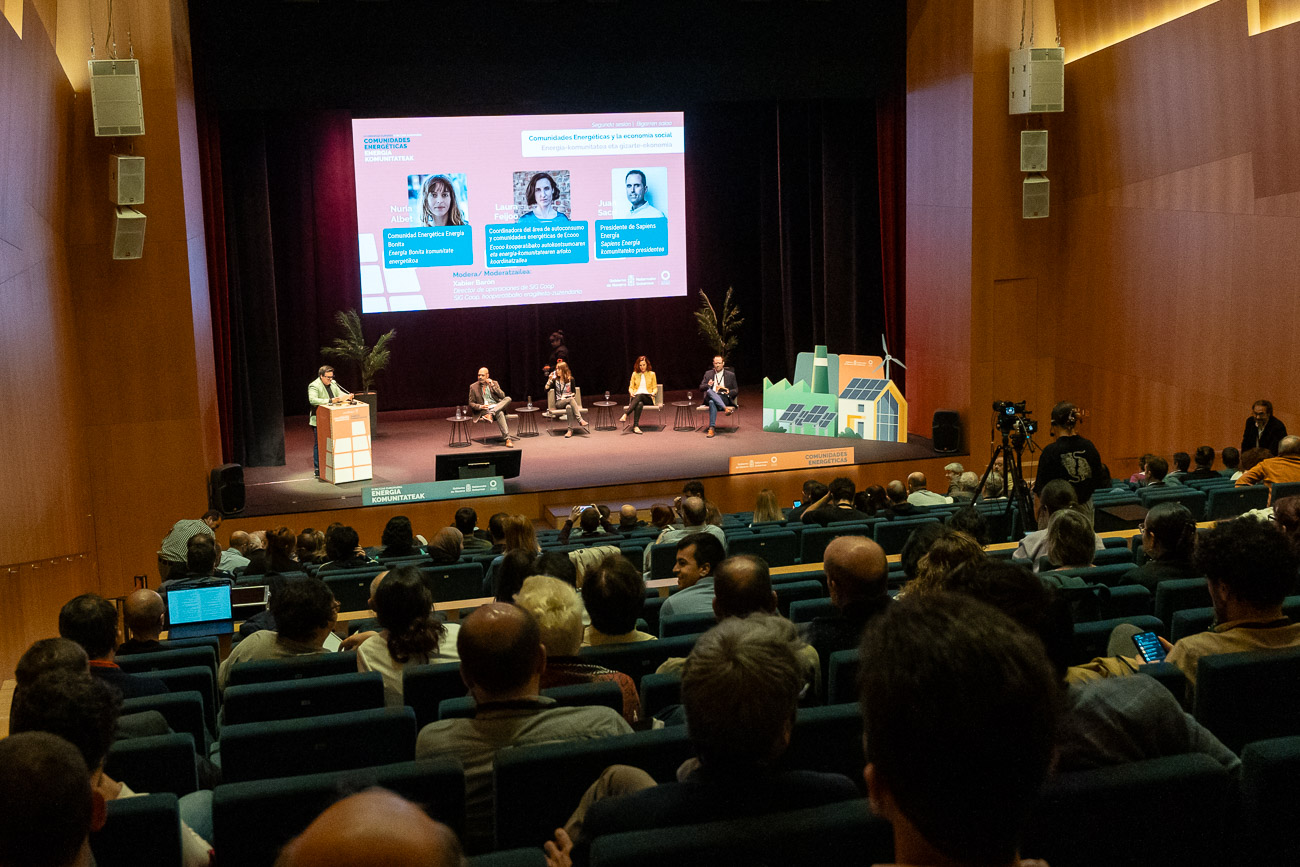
(1176, 811)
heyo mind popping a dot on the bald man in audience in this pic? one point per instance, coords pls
(47, 805)
(899, 506)
(857, 576)
(143, 615)
(1283, 468)
(373, 827)
(743, 586)
(919, 495)
(501, 662)
(627, 519)
(91, 621)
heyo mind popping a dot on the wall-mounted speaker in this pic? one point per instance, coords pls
(115, 97)
(1033, 150)
(128, 233)
(1036, 198)
(1037, 80)
(125, 179)
(226, 489)
(946, 431)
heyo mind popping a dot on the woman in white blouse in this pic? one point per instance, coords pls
(412, 633)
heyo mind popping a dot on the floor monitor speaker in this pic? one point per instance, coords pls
(226, 489)
(946, 431)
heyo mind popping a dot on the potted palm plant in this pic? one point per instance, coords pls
(368, 360)
(720, 330)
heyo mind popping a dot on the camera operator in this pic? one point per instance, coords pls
(1071, 457)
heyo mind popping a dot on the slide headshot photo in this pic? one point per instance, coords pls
(542, 197)
(438, 200)
(639, 191)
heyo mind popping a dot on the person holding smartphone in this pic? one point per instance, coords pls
(561, 382)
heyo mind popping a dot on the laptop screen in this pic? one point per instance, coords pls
(200, 605)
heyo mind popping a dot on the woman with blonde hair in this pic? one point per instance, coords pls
(519, 535)
(766, 509)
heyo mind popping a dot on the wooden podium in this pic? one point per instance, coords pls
(343, 435)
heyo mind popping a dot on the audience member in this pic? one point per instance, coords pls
(1286, 514)
(398, 539)
(766, 509)
(694, 513)
(561, 566)
(835, 506)
(1056, 495)
(501, 662)
(475, 540)
(698, 556)
(899, 505)
(144, 614)
(200, 569)
(740, 691)
(91, 621)
(1158, 473)
(305, 613)
(515, 567)
(281, 554)
(953, 471)
(1168, 538)
(342, 550)
(1071, 542)
(497, 532)
(558, 612)
(614, 596)
(411, 633)
(951, 549)
(857, 576)
(310, 548)
(919, 495)
(1182, 465)
(917, 546)
(590, 521)
(661, 516)
(963, 489)
(1283, 468)
(83, 711)
(1139, 478)
(1204, 465)
(1231, 463)
(174, 544)
(813, 491)
(971, 521)
(871, 500)
(1249, 460)
(373, 827)
(1070, 457)
(445, 547)
(628, 520)
(959, 709)
(229, 559)
(50, 654)
(47, 804)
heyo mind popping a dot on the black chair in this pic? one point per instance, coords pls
(1244, 697)
(1190, 621)
(1282, 490)
(1127, 600)
(842, 833)
(788, 592)
(1179, 594)
(180, 657)
(806, 610)
(1091, 638)
(638, 658)
(1169, 812)
(779, 548)
(182, 710)
(537, 787)
(351, 589)
(813, 540)
(659, 691)
(842, 677)
(312, 696)
(662, 558)
(195, 678)
(252, 820)
(159, 763)
(686, 624)
(600, 694)
(1231, 502)
(293, 668)
(457, 581)
(1270, 789)
(424, 687)
(828, 739)
(337, 742)
(893, 535)
(212, 641)
(141, 830)
(1194, 500)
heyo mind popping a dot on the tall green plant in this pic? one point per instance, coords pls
(721, 332)
(369, 360)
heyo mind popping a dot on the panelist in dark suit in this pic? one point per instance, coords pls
(720, 387)
(1263, 429)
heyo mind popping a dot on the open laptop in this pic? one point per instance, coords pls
(200, 611)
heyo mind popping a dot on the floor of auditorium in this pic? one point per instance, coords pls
(405, 444)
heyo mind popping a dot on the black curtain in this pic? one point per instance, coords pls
(783, 205)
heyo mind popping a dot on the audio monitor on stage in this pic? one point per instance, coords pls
(226, 489)
(477, 465)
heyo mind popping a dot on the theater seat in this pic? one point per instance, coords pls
(1270, 790)
(337, 742)
(843, 833)
(251, 821)
(141, 830)
(1231, 502)
(603, 693)
(180, 657)
(686, 624)
(893, 535)
(313, 696)
(1244, 697)
(293, 668)
(777, 548)
(183, 711)
(424, 687)
(158, 763)
(1179, 594)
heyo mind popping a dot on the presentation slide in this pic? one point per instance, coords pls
(201, 605)
(490, 211)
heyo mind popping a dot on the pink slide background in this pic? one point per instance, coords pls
(488, 151)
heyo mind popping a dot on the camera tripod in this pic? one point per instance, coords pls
(1017, 492)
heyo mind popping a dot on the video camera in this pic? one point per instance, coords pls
(1013, 417)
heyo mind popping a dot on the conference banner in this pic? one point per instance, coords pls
(424, 491)
(790, 461)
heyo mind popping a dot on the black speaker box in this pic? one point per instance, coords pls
(946, 431)
(226, 489)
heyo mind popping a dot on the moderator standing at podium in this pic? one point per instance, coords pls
(321, 392)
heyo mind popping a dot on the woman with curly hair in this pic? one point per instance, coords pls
(411, 633)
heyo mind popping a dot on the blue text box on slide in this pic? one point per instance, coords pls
(487, 486)
(428, 246)
(510, 244)
(631, 238)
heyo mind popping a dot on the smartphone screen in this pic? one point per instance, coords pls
(333, 642)
(797, 503)
(1149, 646)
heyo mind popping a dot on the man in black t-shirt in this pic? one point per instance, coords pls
(836, 506)
(1070, 457)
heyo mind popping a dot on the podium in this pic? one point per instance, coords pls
(343, 435)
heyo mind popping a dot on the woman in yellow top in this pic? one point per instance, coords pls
(643, 389)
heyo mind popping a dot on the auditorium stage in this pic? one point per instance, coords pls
(406, 442)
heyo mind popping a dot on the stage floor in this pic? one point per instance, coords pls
(406, 442)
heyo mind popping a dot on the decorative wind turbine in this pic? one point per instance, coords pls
(889, 358)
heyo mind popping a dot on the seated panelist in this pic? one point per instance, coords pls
(719, 385)
(642, 388)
